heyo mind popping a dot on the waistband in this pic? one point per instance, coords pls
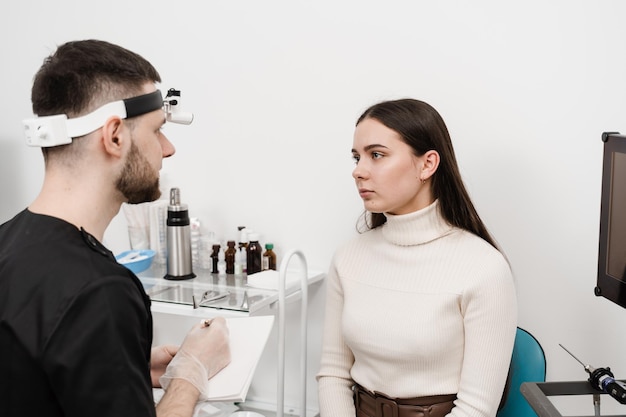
(376, 404)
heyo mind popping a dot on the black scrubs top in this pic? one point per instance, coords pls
(75, 326)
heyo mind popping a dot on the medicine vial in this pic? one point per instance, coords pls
(254, 254)
(230, 257)
(214, 258)
(269, 258)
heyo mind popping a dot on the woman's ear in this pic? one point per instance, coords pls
(430, 164)
(113, 136)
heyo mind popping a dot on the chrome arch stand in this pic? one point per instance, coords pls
(280, 406)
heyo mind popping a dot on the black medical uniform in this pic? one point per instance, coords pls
(75, 326)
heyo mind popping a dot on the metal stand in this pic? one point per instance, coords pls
(280, 406)
(537, 393)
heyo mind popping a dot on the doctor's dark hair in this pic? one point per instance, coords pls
(80, 76)
(421, 127)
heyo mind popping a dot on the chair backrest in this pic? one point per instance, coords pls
(528, 364)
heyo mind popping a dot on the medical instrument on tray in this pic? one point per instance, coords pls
(209, 296)
(603, 380)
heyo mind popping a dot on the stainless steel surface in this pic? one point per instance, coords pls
(179, 251)
(179, 264)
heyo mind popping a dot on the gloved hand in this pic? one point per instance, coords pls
(204, 352)
(160, 357)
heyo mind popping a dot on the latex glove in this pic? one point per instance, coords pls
(204, 352)
(160, 357)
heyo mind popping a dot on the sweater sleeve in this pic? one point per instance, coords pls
(490, 317)
(334, 380)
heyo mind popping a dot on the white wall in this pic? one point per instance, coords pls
(526, 88)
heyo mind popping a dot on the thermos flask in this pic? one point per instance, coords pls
(178, 239)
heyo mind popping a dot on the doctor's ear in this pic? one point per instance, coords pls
(113, 135)
(430, 162)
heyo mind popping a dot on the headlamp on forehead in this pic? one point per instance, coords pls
(48, 131)
(171, 105)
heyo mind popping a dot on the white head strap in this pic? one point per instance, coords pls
(47, 131)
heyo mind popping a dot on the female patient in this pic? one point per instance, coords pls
(421, 307)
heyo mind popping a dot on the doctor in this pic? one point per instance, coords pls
(75, 326)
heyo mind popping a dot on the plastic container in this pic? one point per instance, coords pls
(136, 260)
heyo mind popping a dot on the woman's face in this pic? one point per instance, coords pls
(387, 173)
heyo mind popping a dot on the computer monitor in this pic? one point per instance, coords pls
(611, 281)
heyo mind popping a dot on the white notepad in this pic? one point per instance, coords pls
(248, 337)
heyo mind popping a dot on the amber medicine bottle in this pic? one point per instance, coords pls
(214, 258)
(269, 258)
(230, 257)
(254, 254)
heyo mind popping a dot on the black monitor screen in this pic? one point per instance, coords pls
(611, 282)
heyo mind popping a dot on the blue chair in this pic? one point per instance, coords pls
(528, 364)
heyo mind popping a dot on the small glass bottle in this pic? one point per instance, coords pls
(214, 255)
(243, 237)
(269, 258)
(195, 241)
(230, 257)
(221, 262)
(244, 259)
(239, 262)
(254, 254)
(206, 249)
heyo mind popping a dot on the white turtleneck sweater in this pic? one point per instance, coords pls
(417, 307)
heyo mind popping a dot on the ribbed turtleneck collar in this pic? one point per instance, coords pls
(416, 228)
